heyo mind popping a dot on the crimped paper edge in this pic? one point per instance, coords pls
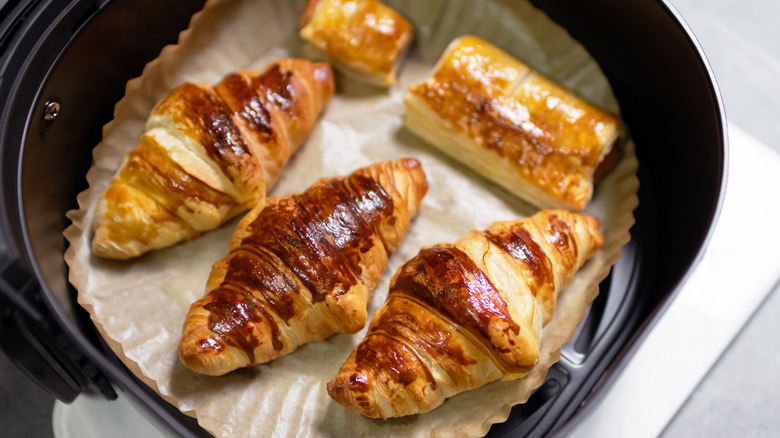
(167, 57)
(629, 165)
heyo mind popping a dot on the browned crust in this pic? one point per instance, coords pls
(545, 133)
(371, 37)
(449, 324)
(246, 128)
(302, 268)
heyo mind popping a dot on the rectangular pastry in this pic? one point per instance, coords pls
(362, 38)
(512, 125)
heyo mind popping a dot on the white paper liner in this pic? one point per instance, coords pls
(139, 306)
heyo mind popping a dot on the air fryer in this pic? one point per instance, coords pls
(64, 65)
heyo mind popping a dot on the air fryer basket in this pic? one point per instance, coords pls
(64, 66)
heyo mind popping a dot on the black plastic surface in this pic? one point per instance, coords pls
(82, 53)
(613, 319)
(26, 335)
(669, 99)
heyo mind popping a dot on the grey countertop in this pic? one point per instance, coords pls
(739, 396)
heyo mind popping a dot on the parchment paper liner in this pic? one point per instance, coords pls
(139, 306)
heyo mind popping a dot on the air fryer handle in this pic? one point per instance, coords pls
(27, 337)
(34, 344)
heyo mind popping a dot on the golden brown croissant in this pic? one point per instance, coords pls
(515, 127)
(363, 38)
(302, 268)
(461, 315)
(207, 155)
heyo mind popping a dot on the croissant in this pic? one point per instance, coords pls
(207, 155)
(302, 268)
(363, 38)
(512, 125)
(460, 315)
